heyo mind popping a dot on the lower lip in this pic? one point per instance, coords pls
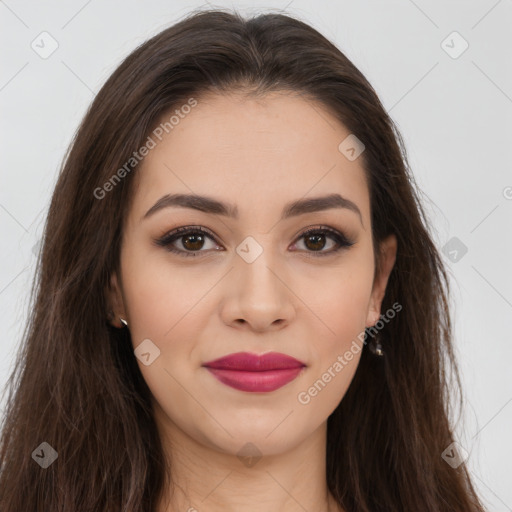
(255, 382)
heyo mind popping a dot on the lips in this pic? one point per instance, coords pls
(249, 372)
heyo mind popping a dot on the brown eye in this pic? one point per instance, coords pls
(193, 242)
(191, 239)
(315, 240)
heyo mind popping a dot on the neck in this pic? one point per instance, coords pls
(208, 478)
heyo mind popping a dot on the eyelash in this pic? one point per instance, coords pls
(167, 240)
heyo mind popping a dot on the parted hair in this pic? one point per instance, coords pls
(76, 384)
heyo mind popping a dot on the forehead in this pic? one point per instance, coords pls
(255, 152)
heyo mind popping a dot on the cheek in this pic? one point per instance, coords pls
(340, 296)
(342, 307)
(157, 292)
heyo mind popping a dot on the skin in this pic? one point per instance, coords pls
(259, 155)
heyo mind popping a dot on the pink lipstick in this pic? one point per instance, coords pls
(249, 372)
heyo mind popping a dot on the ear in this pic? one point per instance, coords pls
(115, 301)
(387, 250)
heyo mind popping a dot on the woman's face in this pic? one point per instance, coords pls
(251, 282)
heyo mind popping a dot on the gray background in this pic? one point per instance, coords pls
(455, 115)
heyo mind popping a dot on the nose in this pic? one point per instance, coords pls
(259, 297)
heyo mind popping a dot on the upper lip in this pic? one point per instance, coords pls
(255, 363)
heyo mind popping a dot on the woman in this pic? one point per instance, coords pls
(239, 305)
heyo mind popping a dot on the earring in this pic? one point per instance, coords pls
(374, 345)
(376, 348)
(111, 317)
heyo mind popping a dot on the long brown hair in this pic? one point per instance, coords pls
(76, 385)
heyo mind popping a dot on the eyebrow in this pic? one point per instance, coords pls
(213, 206)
